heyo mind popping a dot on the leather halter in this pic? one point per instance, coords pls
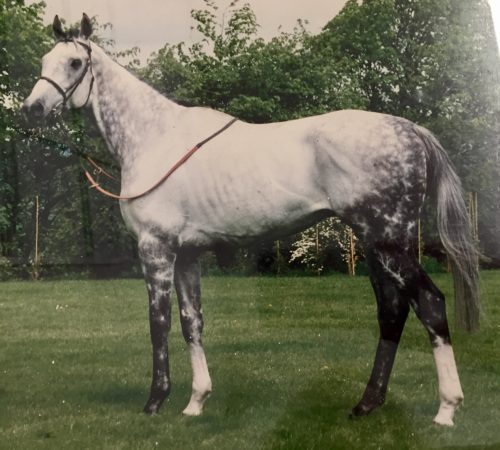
(67, 94)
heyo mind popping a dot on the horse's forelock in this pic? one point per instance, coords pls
(73, 33)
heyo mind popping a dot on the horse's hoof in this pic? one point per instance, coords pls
(360, 411)
(195, 406)
(443, 421)
(193, 410)
(364, 408)
(444, 417)
(151, 408)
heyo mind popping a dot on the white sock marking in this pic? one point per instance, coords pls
(450, 390)
(202, 384)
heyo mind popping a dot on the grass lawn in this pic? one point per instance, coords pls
(289, 357)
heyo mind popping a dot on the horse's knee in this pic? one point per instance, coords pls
(191, 324)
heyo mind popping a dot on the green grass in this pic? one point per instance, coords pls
(288, 357)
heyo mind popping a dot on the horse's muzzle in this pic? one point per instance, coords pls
(34, 112)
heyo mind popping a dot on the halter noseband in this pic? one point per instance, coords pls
(66, 94)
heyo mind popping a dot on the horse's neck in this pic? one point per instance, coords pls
(127, 110)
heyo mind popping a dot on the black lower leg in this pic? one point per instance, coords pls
(392, 314)
(374, 395)
(159, 321)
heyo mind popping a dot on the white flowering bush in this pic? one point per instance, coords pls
(316, 243)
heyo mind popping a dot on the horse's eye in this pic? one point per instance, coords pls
(76, 64)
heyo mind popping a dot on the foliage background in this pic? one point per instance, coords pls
(434, 62)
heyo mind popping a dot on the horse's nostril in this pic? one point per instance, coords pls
(33, 112)
(37, 109)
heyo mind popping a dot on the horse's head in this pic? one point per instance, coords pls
(67, 78)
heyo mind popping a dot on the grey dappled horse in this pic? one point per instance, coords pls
(264, 181)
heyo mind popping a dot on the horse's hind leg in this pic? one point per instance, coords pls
(386, 266)
(187, 284)
(429, 305)
(398, 280)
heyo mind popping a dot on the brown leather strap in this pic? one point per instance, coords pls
(94, 184)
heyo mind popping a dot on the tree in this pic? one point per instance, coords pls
(42, 162)
(360, 40)
(235, 71)
(21, 33)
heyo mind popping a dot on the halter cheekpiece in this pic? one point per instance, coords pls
(66, 94)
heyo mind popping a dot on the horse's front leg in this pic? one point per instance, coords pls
(187, 284)
(158, 262)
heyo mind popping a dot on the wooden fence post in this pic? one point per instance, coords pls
(473, 220)
(351, 265)
(318, 268)
(278, 258)
(35, 274)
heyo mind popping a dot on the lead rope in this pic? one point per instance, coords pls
(95, 185)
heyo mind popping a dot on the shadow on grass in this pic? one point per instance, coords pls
(319, 418)
(473, 447)
(118, 394)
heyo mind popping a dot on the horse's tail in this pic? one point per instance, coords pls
(454, 231)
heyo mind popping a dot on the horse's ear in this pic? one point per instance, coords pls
(86, 27)
(57, 28)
